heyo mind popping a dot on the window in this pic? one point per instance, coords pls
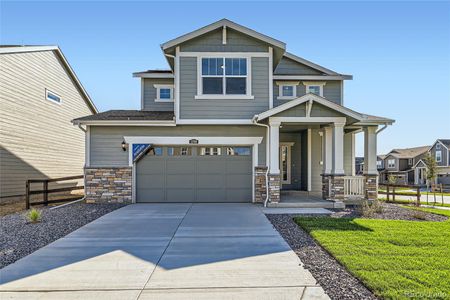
(155, 151)
(438, 146)
(438, 156)
(49, 95)
(391, 163)
(164, 93)
(314, 88)
(285, 163)
(410, 161)
(224, 76)
(210, 151)
(242, 151)
(379, 163)
(179, 151)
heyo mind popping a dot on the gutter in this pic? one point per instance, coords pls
(255, 122)
(382, 128)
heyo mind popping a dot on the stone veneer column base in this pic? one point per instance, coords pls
(371, 187)
(108, 185)
(333, 187)
(274, 187)
(260, 184)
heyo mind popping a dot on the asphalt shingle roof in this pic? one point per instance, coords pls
(128, 115)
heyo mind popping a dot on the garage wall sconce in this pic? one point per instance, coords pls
(124, 146)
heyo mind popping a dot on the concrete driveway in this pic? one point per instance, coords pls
(165, 251)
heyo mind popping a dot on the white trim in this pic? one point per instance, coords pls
(158, 88)
(270, 77)
(309, 154)
(47, 91)
(338, 149)
(353, 154)
(153, 75)
(288, 146)
(282, 84)
(274, 147)
(177, 84)
(133, 182)
(438, 141)
(306, 98)
(224, 55)
(218, 24)
(389, 165)
(312, 77)
(436, 156)
(254, 164)
(215, 121)
(340, 120)
(126, 123)
(224, 35)
(23, 49)
(87, 148)
(308, 84)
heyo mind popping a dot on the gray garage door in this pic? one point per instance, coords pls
(195, 174)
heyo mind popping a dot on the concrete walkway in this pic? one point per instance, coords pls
(165, 251)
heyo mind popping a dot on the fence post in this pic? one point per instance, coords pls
(45, 192)
(442, 194)
(387, 192)
(418, 196)
(393, 193)
(27, 194)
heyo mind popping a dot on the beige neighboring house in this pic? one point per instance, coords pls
(39, 96)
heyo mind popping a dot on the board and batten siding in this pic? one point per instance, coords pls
(191, 108)
(331, 91)
(149, 95)
(37, 139)
(105, 141)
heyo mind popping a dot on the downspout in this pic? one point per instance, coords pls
(255, 122)
(382, 128)
(82, 129)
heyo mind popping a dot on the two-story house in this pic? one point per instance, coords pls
(236, 118)
(399, 163)
(440, 150)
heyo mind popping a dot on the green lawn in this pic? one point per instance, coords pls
(395, 259)
(403, 201)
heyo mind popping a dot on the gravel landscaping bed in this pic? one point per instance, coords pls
(19, 238)
(337, 282)
(391, 212)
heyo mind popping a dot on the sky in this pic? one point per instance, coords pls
(397, 52)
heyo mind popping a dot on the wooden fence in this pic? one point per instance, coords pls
(393, 190)
(45, 190)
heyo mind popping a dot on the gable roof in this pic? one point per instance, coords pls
(420, 162)
(361, 118)
(444, 142)
(24, 49)
(219, 24)
(409, 152)
(126, 116)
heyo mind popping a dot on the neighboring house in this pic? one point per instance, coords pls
(440, 150)
(359, 165)
(39, 96)
(399, 163)
(233, 107)
(380, 162)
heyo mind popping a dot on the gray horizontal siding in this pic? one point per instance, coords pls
(37, 139)
(105, 141)
(149, 95)
(287, 66)
(212, 42)
(331, 91)
(190, 108)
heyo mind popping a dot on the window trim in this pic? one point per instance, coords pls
(47, 91)
(436, 156)
(410, 161)
(158, 88)
(201, 96)
(438, 146)
(288, 146)
(320, 84)
(281, 84)
(389, 165)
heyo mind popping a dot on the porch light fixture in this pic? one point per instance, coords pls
(124, 146)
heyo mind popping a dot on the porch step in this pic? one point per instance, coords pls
(307, 204)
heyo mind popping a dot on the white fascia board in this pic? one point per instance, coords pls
(219, 24)
(22, 49)
(310, 64)
(312, 77)
(125, 123)
(313, 98)
(321, 120)
(153, 75)
(215, 122)
(202, 140)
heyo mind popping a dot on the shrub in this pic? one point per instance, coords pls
(419, 215)
(367, 209)
(34, 215)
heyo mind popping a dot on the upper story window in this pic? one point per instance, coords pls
(438, 156)
(314, 88)
(49, 95)
(224, 77)
(391, 163)
(410, 161)
(287, 90)
(438, 146)
(164, 92)
(379, 163)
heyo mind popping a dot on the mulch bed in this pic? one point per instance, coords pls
(18, 237)
(337, 282)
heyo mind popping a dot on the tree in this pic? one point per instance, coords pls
(431, 170)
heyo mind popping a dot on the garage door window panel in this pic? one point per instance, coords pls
(155, 151)
(179, 151)
(238, 151)
(210, 151)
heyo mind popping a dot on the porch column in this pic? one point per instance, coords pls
(327, 150)
(274, 147)
(370, 162)
(370, 150)
(338, 149)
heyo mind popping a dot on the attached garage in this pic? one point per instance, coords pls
(195, 174)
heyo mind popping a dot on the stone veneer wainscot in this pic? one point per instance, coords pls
(108, 185)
